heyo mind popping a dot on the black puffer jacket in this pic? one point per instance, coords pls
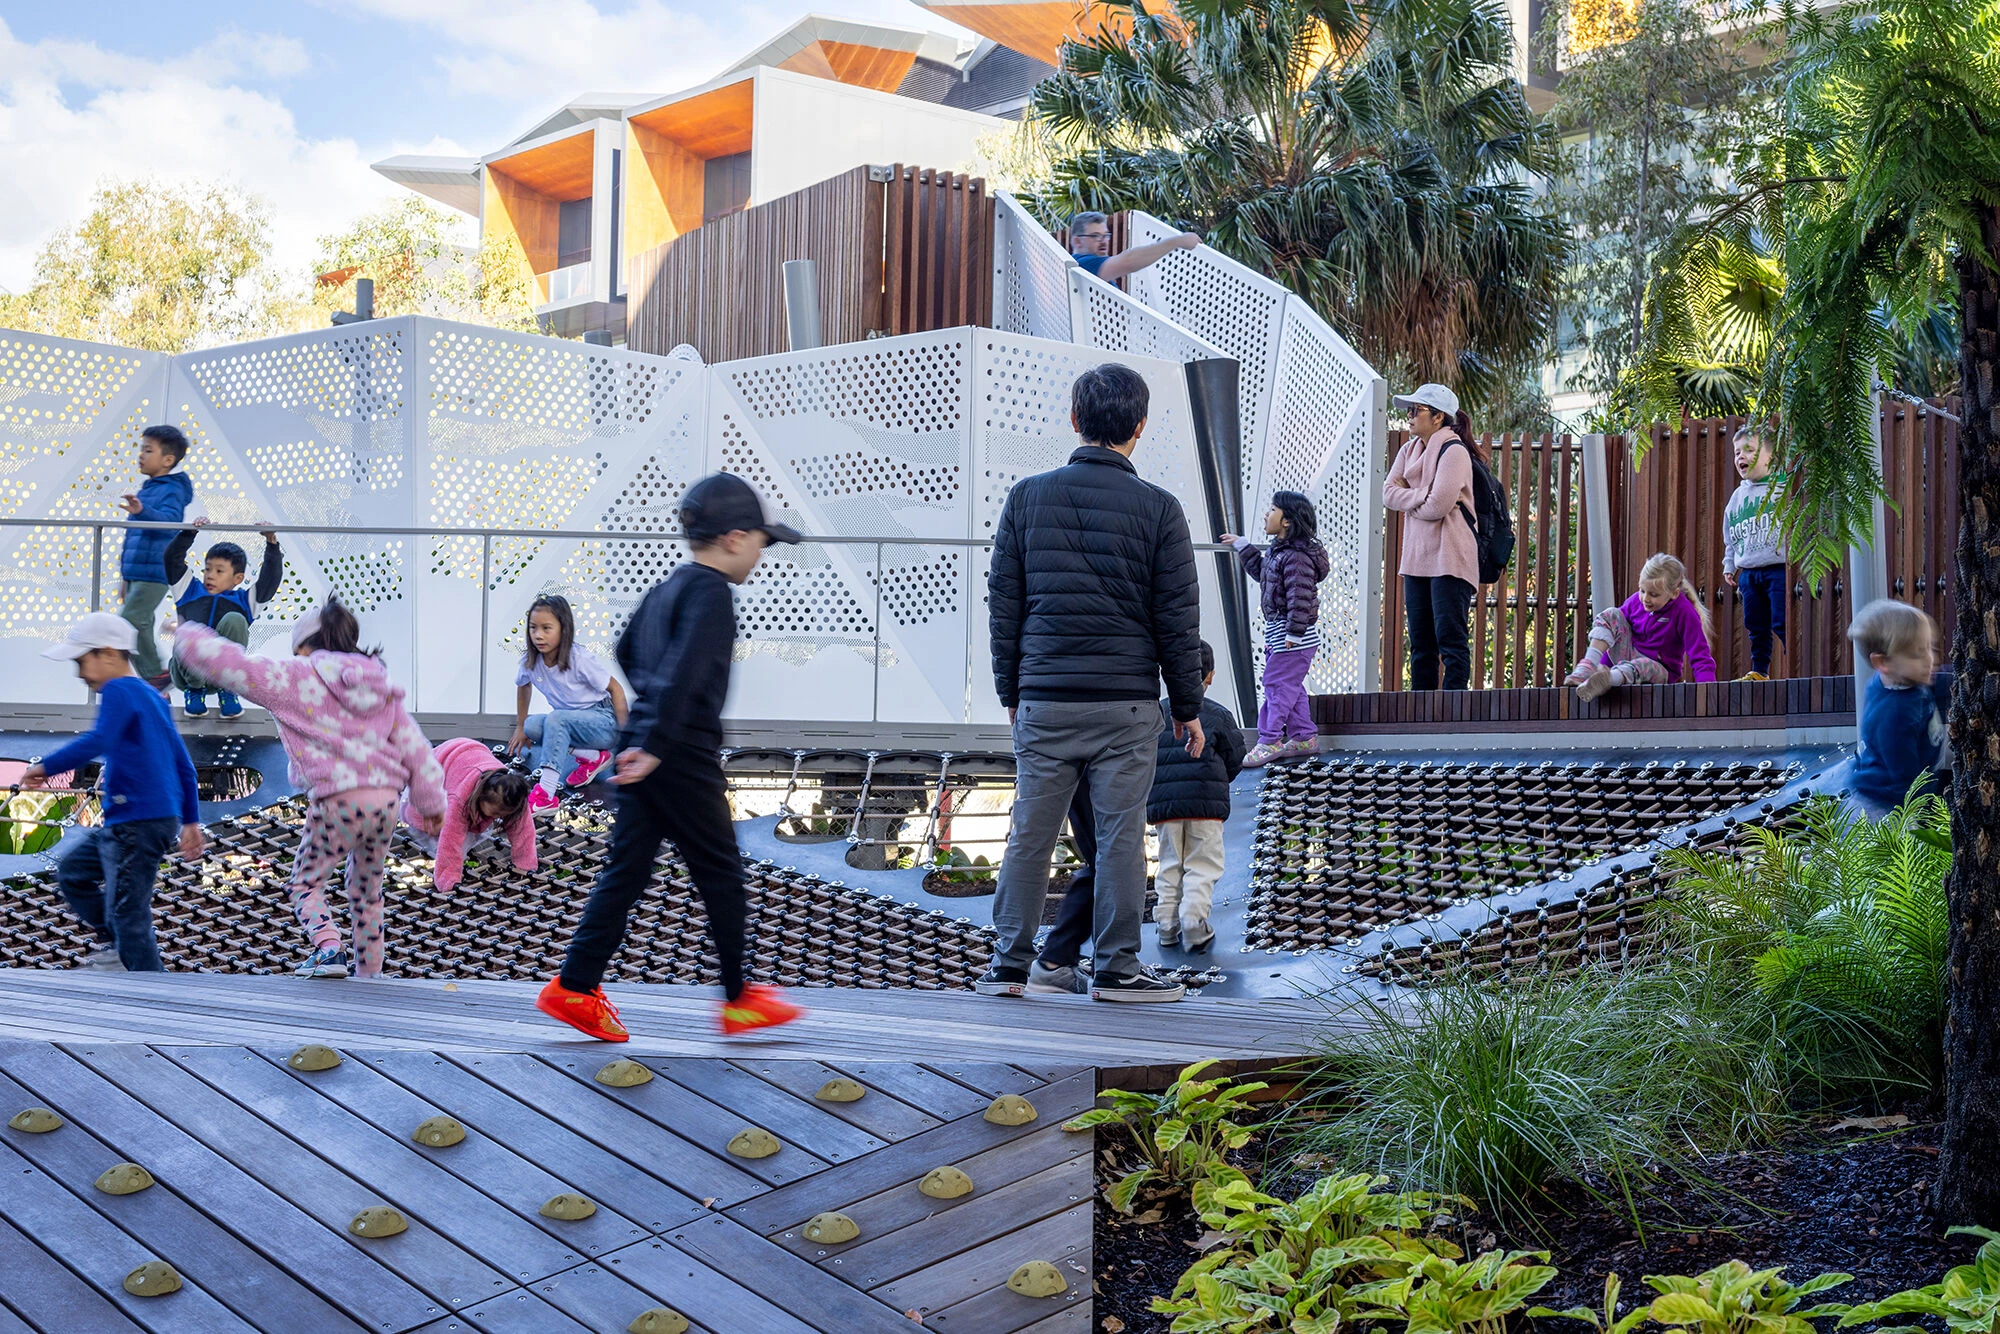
(1185, 788)
(1092, 588)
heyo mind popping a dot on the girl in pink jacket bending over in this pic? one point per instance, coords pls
(353, 747)
(482, 795)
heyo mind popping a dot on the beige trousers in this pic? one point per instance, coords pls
(1190, 864)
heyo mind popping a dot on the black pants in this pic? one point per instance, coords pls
(1438, 610)
(1075, 914)
(1762, 592)
(684, 800)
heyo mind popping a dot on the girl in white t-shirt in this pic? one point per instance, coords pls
(587, 705)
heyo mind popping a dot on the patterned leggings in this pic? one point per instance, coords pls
(355, 828)
(1611, 646)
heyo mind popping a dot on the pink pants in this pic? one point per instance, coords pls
(1611, 646)
(1286, 711)
(352, 828)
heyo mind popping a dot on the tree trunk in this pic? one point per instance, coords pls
(1969, 1159)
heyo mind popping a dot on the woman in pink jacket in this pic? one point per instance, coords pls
(482, 795)
(1431, 483)
(353, 747)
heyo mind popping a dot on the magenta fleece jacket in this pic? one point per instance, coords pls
(1673, 638)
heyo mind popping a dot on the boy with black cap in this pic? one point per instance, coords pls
(676, 651)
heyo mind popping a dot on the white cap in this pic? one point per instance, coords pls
(1431, 396)
(98, 629)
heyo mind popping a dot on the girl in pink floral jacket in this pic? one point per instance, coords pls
(354, 748)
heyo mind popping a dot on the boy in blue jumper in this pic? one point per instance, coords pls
(162, 498)
(220, 602)
(149, 800)
(1904, 708)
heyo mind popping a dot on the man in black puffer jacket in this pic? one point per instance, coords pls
(1093, 602)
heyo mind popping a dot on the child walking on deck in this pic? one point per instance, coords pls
(354, 748)
(676, 653)
(1660, 635)
(1288, 575)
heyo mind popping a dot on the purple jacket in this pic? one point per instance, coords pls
(1288, 575)
(1673, 638)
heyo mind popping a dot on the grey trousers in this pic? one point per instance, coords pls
(1113, 745)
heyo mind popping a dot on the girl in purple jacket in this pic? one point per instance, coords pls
(1659, 635)
(1289, 575)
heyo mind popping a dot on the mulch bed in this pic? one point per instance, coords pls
(1854, 1201)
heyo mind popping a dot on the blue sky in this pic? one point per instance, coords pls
(292, 99)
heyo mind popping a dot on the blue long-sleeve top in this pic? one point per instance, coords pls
(147, 772)
(1902, 734)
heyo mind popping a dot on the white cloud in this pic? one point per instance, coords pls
(73, 115)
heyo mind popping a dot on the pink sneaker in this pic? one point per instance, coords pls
(586, 770)
(540, 799)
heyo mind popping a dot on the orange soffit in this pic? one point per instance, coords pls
(860, 66)
(1035, 28)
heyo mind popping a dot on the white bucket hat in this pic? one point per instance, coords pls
(1431, 396)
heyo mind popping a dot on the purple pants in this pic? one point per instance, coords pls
(1286, 711)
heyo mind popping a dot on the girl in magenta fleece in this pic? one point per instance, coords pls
(482, 797)
(1659, 635)
(354, 748)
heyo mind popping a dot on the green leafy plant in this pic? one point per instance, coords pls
(1180, 1133)
(1494, 1091)
(24, 830)
(1442, 1295)
(1731, 1298)
(1968, 1299)
(959, 869)
(1841, 926)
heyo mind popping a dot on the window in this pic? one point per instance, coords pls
(573, 233)
(725, 186)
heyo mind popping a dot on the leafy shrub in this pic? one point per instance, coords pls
(1841, 926)
(1729, 1299)
(1968, 1299)
(1496, 1091)
(1180, 1133)
(1344, 1250)
(20, 834)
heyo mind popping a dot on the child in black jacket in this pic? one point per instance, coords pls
(676, 653)
(1189, 802)
(220, 602)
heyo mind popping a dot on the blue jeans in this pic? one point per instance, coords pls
(107, 877)
(1761, 589)
(553, 734)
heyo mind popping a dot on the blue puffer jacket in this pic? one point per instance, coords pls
(161, 500)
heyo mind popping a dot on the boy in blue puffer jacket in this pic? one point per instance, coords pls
(162, 498)
(221, 602)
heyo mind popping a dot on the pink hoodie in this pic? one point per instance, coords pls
(1428, 483)
(342, 722)
(464, 761)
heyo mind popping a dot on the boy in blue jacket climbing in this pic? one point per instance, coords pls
(1904, 707)
(162, 498)
(220, 602)
(148, 796)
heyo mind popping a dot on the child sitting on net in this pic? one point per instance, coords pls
(1659, 636)
(483, 797)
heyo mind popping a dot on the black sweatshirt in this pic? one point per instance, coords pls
(675, 652)
(195, 605)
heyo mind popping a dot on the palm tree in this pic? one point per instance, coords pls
(1375, 156)
(1893, 141)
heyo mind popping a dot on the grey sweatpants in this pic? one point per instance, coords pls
(1114, 745)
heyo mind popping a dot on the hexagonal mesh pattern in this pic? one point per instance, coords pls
(1346, 847)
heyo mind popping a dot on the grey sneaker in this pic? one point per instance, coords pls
(103, 959)
(1144, 987)
(1198, 934)
(1060, 980)
(1170, 935)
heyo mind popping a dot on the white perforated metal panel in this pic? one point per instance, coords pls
(1031, 274)
(1105, 317)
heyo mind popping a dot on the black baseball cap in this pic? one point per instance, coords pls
(722, 503)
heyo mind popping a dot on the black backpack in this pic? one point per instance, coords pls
(1493, 528)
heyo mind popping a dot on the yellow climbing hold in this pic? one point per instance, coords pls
(658, 1320)
(1038, 1278)
(155, 1278)
(945, 1183)
(754, 1142)
(378, 1221)
(1010, 1109)
(313, 1056)
(831, 1229)
(840, 1090)
(438, 1132)
(568, 1208)
(35, 1121)
(623, 1074)
(124, 1179)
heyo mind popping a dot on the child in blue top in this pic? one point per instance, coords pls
(586, 703)
(162, 498)
(220, 602)
(149, 797)
(1904, 707)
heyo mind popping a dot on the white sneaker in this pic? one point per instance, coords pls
(1197, 934)
(103, 959)
(1262, 754)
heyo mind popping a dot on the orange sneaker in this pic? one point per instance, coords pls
(586, 1011)
(758, 1007)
